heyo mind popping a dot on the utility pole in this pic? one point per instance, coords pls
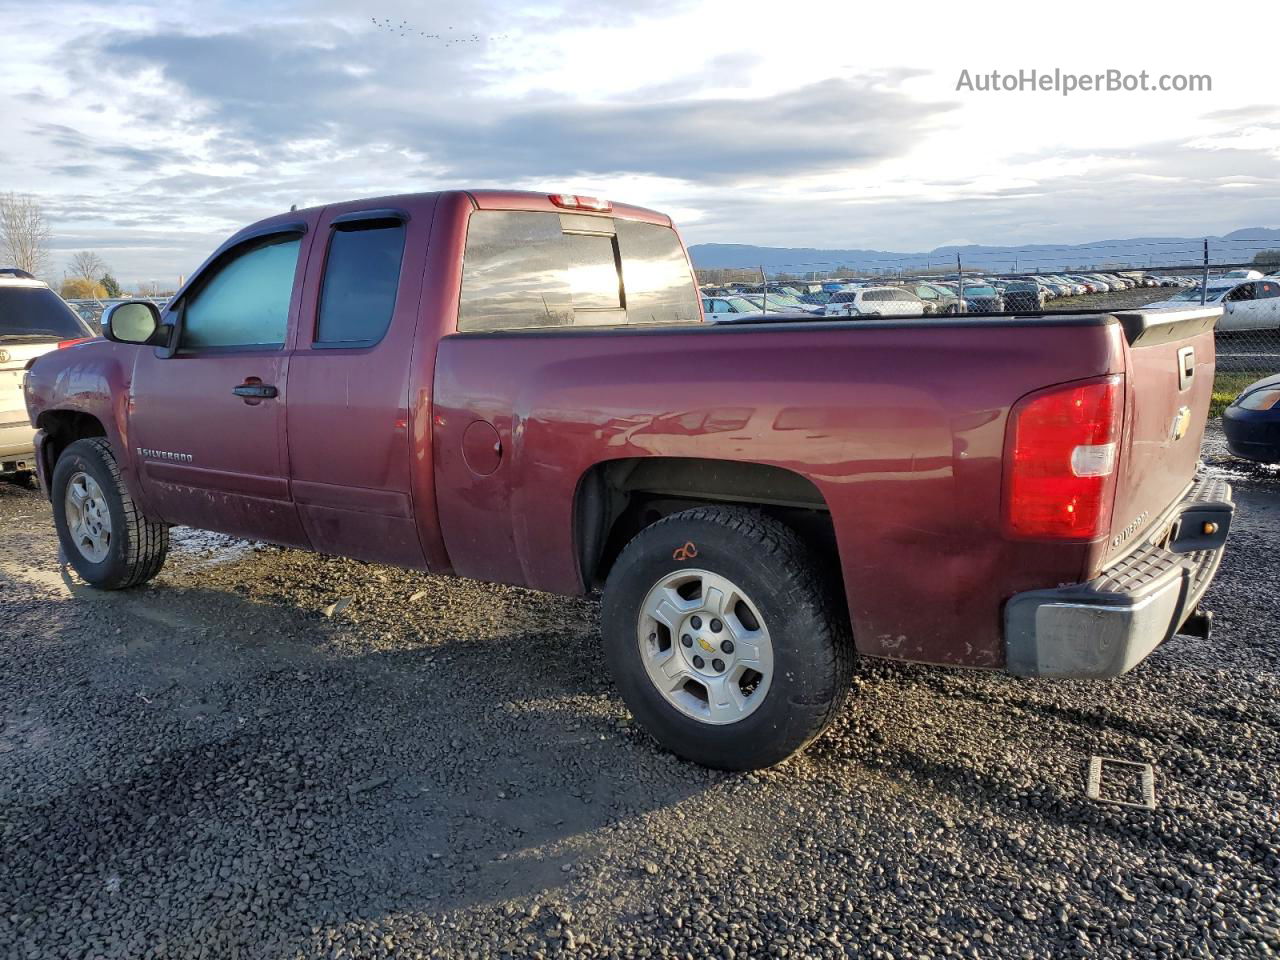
(1204, 285)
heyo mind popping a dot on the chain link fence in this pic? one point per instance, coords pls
(1240, 275)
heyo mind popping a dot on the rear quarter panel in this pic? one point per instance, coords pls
(901, 427)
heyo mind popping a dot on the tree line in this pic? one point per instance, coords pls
(25, 239)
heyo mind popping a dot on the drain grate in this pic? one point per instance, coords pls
(1125, 783)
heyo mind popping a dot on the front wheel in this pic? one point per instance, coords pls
(104, 535)
(725, 638)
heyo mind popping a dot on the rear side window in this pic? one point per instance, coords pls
(34, 314)
(245, 302)
(521, 270)
(530, 269)
(361, 275)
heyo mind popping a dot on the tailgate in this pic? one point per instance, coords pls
(1169, 382)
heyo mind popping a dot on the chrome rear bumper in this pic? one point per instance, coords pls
(1107, 626)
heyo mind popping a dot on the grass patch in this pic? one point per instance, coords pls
(1226, 387)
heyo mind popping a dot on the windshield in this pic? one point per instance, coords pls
(776, 302)
(979, 291)
(37, 313)
(1193, 295)
(742, 305)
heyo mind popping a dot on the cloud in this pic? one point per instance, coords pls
(700, 140)
(1253, 112)
(320, 86)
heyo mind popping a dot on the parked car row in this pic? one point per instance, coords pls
(922, 296)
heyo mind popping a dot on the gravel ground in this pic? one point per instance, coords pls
(213, 767)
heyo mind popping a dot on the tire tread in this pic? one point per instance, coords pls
(147, 540)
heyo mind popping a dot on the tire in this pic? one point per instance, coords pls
(123, 550)
(807, 650)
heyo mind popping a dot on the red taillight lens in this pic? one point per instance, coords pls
(572, 201)
(72, 343)
(1062, 457)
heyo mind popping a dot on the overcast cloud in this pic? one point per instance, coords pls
(152, 131)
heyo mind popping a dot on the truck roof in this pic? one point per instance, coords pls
(486, 199)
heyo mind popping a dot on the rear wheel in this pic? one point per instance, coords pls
(725, 638)
(103, 534)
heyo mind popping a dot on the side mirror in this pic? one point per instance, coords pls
(134, 321)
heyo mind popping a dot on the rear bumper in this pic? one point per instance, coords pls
(1107, 626)
(17, 445)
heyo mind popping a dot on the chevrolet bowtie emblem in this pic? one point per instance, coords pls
(1181, 421)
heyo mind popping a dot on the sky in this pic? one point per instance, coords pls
(152, 131)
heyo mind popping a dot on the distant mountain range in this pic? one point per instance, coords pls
(1239, 246)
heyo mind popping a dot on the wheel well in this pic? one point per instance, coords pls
(63, 428)
(619, 498)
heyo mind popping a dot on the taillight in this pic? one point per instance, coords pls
(1061, 462)
(72, 343)
(573, 201)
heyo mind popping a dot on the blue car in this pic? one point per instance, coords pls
(1252, 422)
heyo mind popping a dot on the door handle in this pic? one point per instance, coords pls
(255, 391)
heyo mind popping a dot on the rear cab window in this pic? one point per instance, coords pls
(533, 270)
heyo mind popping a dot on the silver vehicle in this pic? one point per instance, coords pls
(33, 320)
(875, 301)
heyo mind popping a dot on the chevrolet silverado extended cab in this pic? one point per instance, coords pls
(522, 388)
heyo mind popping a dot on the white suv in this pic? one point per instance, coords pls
(875, 301)
(33, 320)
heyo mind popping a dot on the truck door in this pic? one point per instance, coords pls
(348, 416)
(207, 424)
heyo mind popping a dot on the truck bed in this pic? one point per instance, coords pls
(900, 427)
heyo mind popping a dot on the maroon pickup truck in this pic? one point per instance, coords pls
(521, 388)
